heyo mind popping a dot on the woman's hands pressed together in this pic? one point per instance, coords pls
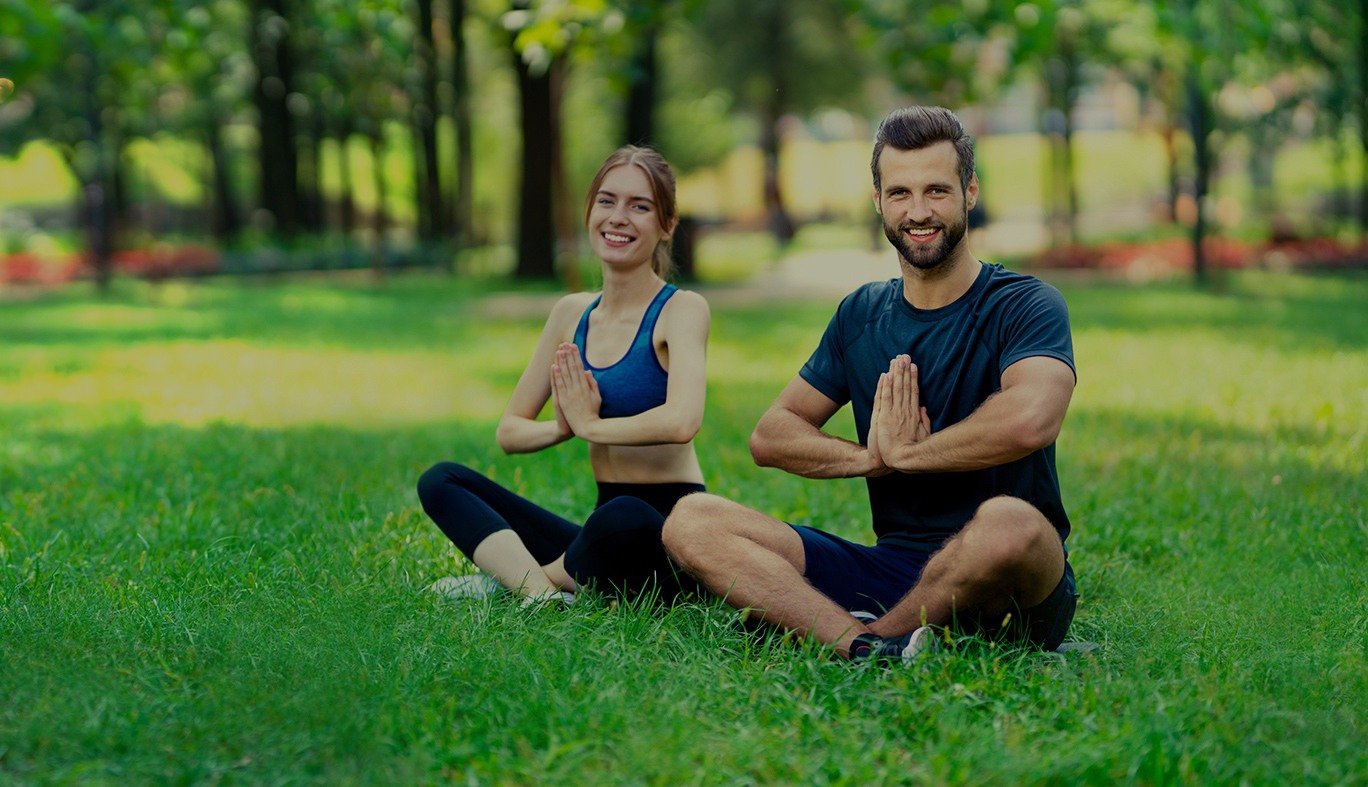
(574, 391)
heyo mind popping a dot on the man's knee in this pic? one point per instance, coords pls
(1014, 531)
(692, 521)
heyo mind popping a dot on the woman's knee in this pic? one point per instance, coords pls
(439, 475)
(622, 515)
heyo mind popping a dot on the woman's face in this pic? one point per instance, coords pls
(624, 222)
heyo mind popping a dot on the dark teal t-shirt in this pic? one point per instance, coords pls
(960, 351)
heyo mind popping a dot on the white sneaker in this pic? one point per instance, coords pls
(921, 641)
(474, 587)
(558, 598)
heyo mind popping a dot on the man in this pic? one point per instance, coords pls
(959, 374)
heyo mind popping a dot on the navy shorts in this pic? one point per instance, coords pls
(856, 576)
(874, 578)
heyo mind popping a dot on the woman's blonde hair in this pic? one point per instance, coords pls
(662, 180)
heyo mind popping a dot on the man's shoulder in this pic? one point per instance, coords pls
(1008, 286)
(870, 297)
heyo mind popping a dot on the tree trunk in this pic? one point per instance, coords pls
(1171, 159)
(642, 74)
(781, 224)
(1363, 115)
(464, 203)
(346, 207)
(564, 207)
(425, 120)
(421, 207)
(225, 223)
(1168, 93)
(1070, 182)
(381, 217)
(279, 164)
(536, 240)
(118, 181)
(1200, 120)
(311, 207)
(97, 203)
(1061, 78)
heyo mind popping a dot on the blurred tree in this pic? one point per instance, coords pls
(781, 57)
(383, 35)
(1135, 47)
(278, 158)
(1324, 70)
(207, 67)
(644, 22)
(945, 52)
(463, 202)
(1211, 37)
(544, 35)
(1362, 99)
(81, 87)
(29, 45)
(1061, 38)
(432, 213)
(950, 53)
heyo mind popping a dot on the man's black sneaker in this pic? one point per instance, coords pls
(888, 650)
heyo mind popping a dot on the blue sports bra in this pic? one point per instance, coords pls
(637, 382)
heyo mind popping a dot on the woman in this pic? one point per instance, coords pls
(624, 371)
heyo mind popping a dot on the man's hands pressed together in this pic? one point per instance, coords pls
(898, 420)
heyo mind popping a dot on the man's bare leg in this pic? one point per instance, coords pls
(1007, 557)
(753, 560)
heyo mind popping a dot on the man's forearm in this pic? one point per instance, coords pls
(792, 444)
(1004, 428)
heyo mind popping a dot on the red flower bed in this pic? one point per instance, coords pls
(1172, 255)
(158, 262)
(22, 268)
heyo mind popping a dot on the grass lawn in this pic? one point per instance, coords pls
(212, 557)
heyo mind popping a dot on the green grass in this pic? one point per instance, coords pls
(211, 556)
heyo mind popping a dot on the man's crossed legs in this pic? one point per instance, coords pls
(1007, 563)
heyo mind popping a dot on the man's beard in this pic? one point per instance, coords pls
(927, 256)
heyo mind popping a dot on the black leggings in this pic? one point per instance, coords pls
(618, 549)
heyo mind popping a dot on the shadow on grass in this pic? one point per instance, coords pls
(1284, 311)
(1149, 491)
(417, 309)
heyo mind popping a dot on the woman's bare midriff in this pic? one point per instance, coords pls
(645, 464)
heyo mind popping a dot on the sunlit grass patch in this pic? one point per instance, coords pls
(234, 381)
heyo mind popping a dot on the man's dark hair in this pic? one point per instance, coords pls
(914, 128)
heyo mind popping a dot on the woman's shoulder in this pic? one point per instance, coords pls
(566, 313)
(573, 303)
(688, 305)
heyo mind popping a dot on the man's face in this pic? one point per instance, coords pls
(925, 212)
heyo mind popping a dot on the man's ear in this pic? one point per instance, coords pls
(971, 192)
(877, 207)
